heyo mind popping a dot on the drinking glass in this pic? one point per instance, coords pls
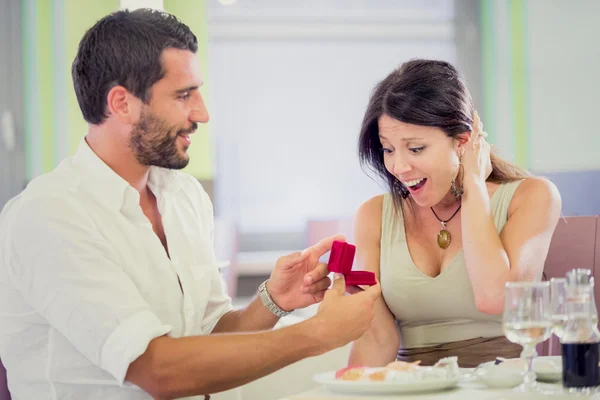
(527, 321)
(558, 304)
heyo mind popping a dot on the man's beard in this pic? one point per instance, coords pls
(154, 142)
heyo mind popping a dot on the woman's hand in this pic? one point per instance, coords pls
(476, 158)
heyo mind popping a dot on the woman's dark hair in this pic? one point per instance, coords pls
(124, 48)
(427, 93)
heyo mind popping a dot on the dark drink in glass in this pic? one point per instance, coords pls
(580, 365)
(580, 341)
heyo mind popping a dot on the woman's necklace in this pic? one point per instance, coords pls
(444, 236)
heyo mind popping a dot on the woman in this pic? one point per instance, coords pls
(456, 225)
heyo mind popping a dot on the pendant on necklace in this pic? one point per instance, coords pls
(444, 237)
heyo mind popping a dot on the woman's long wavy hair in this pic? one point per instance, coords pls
(428, 93)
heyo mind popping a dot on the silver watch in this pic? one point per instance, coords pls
(268, 301)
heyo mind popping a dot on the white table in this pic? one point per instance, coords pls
(464, 391)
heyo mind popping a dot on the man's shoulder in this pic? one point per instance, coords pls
(45, 192)
(63, 178)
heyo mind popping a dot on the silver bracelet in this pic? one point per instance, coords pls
(268, 302)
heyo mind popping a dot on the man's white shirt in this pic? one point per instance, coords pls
(86, 284)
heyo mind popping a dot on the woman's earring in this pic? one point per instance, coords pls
(455, 189)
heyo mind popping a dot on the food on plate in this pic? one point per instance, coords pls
(378, 375)
(449, 365)
(351, 373)
(403, 365)
(401, 371)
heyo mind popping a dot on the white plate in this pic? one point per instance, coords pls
(544, 371)
(546, 368)
(378, 387)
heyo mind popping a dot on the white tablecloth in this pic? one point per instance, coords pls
(466, 390)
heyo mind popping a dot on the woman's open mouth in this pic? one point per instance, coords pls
(415, 185)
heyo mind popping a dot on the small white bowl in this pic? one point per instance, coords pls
(497, 377)
(548, 368)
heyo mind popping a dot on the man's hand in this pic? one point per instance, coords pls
(299, 279)
(343, 318)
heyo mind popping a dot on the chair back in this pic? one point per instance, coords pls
(573, 245)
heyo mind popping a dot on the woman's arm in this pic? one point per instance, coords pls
(519, 252)
(379, 345)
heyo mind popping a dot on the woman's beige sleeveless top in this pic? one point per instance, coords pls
(431, 311)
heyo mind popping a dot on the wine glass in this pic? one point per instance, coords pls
(527, 321)
(558, 304)
(558, 301)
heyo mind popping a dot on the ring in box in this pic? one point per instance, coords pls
(341, 259)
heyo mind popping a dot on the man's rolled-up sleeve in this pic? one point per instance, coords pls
(72, 276)
(218, 305)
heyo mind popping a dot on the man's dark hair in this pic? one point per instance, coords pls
(124, 48)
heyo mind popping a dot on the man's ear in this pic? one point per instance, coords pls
(123, 105)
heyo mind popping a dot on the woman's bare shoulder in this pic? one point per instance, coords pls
(537, 191)
(367, 220)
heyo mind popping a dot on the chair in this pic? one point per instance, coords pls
(4, 393)
(573, 245)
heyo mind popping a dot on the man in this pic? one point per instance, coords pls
(108, 283)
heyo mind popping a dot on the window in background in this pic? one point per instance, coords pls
(291, 82)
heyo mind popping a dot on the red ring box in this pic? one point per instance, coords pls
(341, 259)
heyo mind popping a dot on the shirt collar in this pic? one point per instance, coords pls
(109, 187)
